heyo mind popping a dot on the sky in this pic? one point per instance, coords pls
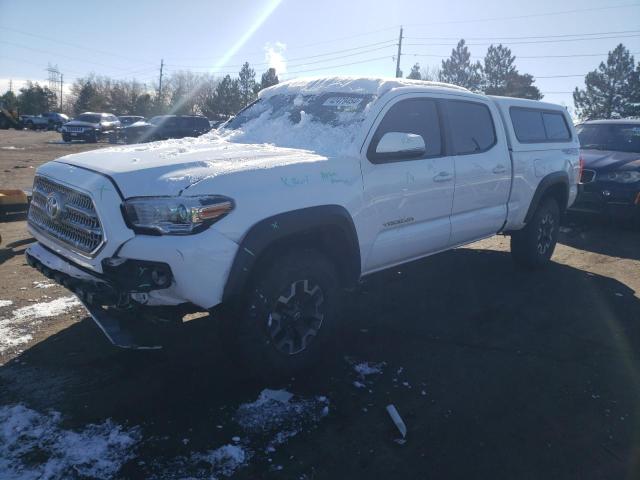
(127, 39)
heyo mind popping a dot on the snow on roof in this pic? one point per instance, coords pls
(363, 85)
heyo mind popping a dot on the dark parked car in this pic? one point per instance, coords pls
(611, 176)
(165, 126)
(126, 120)
(90, 127)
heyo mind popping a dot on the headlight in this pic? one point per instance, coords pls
(630, 176)
(176, 215)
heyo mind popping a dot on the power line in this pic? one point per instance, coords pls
(527, 37)
(523, 56)
(516, 17)
(385, 44)
(536, 42)
(80, 47)
(369, 60)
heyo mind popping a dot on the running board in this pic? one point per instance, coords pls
(116, 333)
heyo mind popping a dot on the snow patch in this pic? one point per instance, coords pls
(43, 284)
(17, 329)
(35, 446)
(224, 460)
(5, 303)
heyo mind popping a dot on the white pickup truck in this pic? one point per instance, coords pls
(315, 185)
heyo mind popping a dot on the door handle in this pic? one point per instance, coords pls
(443, 177)
(499, 169)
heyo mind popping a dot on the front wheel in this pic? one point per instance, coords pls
(289, 315)
(533, 246)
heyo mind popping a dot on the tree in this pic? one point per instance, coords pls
(269, 78)
(499, 65)
(415, 72)
(9, 101)
(501, 77)
(459, 70)
(229, 96)
(612, 90)
(34, 99)
(247, 83)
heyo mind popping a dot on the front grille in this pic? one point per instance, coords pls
(73, 221)
(588, 176)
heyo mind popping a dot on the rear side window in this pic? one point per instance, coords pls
(537, 126)
(555, 126)
(416, 115)
(472, 129)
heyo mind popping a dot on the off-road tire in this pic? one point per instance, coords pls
(312, 282)
(533, 246)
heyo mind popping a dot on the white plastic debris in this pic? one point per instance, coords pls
(397, 419)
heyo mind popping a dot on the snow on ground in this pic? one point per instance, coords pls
(5, 303)
(35, 446)
(43, 284)
(17, 329)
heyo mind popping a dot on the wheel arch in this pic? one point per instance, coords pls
(555, 185)
(328, 228)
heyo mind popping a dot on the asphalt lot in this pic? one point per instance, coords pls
(497, 373)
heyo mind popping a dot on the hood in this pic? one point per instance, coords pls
(139, 124)
(607, 160)
(169, 167)
(80, 123)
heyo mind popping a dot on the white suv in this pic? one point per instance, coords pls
(315, 185)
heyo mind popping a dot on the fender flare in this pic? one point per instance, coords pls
(278, 227)
(547, 182)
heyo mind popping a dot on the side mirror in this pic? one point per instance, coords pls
(401, 145)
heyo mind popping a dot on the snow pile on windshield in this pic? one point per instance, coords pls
(33, 445)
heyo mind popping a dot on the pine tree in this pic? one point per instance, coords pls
(499, 65)
(269, 78)
(459, 70)
(612, 90)
(34, 99)
(247, 83)
(415, 72)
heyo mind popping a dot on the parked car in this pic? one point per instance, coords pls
(163, 127)
(314, 186)
(610, 183)
(90, 127)
(126, 120)
(46, 121)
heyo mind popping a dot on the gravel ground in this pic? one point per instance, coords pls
(496, 373)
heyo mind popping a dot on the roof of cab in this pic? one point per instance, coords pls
(525, 103)
(359, 85)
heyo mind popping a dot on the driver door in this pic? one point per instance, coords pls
(411, 195)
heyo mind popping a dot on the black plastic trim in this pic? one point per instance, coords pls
(264, 233)
(545, 184)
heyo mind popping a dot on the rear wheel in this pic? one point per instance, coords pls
(533, 246)
(289, 315)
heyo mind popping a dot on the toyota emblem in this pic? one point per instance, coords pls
(53, 205)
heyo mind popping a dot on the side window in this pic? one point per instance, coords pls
(472, 129)
(171, 122)
(555, 126)
(537, 126)
(528, 125)
(417, 116)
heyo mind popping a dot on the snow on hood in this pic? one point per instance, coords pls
(363, 85)
(168, 167)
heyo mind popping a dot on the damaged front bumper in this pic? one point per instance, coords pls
(115, 299)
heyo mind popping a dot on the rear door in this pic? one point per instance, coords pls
(482, 169)
(410, 197)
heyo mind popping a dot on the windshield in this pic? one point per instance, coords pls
(88, 118)
(324, 122)
(618, 137)
(158, 119)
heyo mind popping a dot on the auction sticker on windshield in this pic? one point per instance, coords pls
(342, 102)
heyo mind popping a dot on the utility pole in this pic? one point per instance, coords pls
(160, 82)
(398, 72)
(11, 85)
(61, 84)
